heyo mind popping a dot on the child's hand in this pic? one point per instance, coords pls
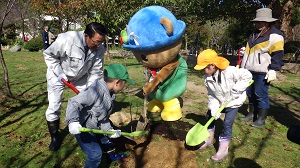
(235, 94)
(74, 128)
(213, 113)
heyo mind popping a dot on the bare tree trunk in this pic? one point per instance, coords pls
(23, 7)
(9, 5)
(286, 15)
(283, 11)
(107, 50)
(9, 93)
(68, 24)
(23, 28)
(186, 39)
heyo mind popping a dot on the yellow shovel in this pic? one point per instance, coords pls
(199, 133)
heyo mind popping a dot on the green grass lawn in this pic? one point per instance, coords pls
(24, 136)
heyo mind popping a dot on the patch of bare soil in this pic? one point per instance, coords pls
(163, 147)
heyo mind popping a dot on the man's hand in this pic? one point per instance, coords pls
(74, 128)
(271, 75)
(117, 134)
(62, 76)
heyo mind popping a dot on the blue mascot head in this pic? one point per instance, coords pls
(152, 28)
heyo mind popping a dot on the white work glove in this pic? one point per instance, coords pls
(117, 133)
(242, 51)
(271, 75)
(74, 128)
(213, 112)
(62, 76)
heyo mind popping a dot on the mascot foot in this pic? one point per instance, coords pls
(154, 109)
(172, 110)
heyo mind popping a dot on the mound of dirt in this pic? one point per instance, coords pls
(164, 146)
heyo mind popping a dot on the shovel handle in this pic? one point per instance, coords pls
(70, 85)
(239, 58)
(97, 131)
(219, 111)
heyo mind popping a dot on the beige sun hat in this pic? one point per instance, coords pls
(264, 15)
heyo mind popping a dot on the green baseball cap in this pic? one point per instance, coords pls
(118, 71)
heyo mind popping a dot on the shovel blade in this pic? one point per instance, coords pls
(142, 124)
(196, 135)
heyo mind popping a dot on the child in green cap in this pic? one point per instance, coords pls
(91, 108)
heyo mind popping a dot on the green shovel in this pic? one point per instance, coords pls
(199, 133)
(97, 131)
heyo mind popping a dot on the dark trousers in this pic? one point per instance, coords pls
(230, 114)
(258, 92)
(91, 145)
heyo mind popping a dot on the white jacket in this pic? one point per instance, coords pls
(66, 55)
(232, 78)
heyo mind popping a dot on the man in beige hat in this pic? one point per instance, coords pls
(263, 57)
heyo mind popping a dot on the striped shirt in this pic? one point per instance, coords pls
(265, 52)
(92, 107)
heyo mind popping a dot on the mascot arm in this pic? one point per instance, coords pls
(161, 76)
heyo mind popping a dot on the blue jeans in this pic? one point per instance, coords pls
(258, 92)
(91, 145)
(230, 114)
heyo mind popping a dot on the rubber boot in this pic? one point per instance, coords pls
(172, 110)
(223, 149)
(53, 127)
(262, 116)
(209, 141)
(293, 134)
(154, 108)
(249, 116)
(110, 150)
(114, 156)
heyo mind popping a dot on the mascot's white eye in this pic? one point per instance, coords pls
(144, 57)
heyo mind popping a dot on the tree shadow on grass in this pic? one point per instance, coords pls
(25, 103)
(244, 162)
(281, 113)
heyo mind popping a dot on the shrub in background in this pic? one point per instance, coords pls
(34, 44)
(4, 41)
(291, 46)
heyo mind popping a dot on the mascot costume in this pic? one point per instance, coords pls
(154, 36)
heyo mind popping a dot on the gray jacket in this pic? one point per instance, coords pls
(91, 107)
(66, 55)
